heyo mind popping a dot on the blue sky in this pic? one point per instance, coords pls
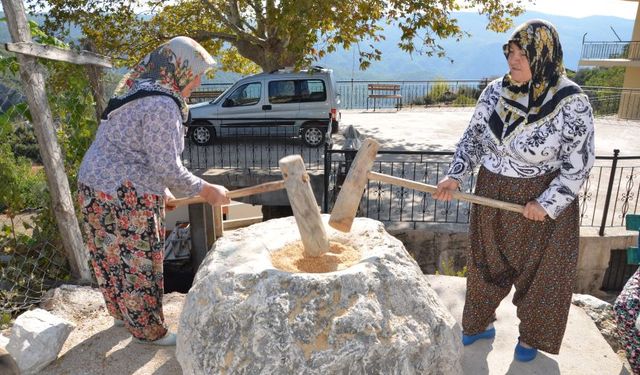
(586, 8)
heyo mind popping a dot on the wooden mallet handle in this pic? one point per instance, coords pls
(455, 194)
(251, 190)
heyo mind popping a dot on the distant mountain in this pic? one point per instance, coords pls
(475, 57)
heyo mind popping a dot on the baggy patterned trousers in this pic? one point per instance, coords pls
(538, 258)
(125, 238)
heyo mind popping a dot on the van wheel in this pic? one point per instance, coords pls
(313, 136)
(202, 135)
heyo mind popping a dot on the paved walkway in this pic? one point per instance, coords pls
(584, 351)
(436, 129)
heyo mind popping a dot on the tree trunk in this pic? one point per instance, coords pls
(271, 57)
(95, 75)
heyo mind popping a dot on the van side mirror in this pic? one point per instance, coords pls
(228, 102)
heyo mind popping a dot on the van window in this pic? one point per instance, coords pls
(312, 90)
(300, 90)
(244, 95)
(282, 92)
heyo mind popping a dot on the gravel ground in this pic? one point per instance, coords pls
(97, 347)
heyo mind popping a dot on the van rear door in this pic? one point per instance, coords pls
(314, 102)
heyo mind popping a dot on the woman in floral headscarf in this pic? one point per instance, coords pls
(124, 182)
(532, 137)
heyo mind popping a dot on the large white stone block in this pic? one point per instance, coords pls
(377, 316)
(36, 339)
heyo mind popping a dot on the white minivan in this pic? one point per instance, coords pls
(281, 103)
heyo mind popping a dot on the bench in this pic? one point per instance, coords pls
(384, 91)
(201, 96)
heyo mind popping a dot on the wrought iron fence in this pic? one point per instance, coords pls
(253, 147)
(611, 50)
(610, 193)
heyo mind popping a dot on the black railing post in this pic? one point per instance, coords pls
(607, 200)
(351, 96)
(327, 171)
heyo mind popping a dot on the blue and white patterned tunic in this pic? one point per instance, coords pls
(561, 139)
(140, 142)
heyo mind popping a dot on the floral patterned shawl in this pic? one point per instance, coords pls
(165, 71)
(525, 103)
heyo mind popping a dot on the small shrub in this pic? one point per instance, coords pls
(448, 269)
(464, 101)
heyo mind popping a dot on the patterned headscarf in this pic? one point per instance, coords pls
(165, 71)
(540, 42)
(528, 102)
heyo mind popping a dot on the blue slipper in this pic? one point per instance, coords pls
(470, 339)
(523, 354)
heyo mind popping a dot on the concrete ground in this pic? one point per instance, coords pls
(584, 351)
(434, 129)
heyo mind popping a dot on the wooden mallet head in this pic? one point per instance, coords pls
(346, 205)
(304, 206)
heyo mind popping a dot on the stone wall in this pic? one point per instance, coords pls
(432, 244)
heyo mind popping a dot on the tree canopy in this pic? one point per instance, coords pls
(270, 34)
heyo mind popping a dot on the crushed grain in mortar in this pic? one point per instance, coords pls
(291, 258)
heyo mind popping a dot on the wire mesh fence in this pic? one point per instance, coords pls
(29, 265)
(32, 257)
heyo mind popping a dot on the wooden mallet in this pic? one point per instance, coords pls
(304, 206)
(297, 183)
(346, 205)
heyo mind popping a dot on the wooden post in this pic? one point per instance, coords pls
(218, 228)
(34, 87)
(304, 206)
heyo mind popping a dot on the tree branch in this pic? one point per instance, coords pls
(234, 22)
(260, 19)
(204, 35)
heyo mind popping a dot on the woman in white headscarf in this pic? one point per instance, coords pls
(532, 137)
(125, 180)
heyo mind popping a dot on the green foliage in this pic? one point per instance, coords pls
(448, 269)
(21, 186)
(271, 34)
(604, 101)
(5, 319)
(605, 77)
(443, 93)
(464, 101)
(32, 238)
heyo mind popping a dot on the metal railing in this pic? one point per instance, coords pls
(611, 50)
(611, 191)
(445, 93)
(612, 100)
(451, 93)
